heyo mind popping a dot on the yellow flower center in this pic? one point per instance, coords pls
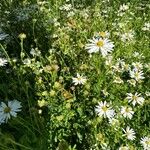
(7, 110)
(134, 97)
(127, 110)
(79, 79)
(148, 142)
(104, 108)
(100, 43)
(102, 34)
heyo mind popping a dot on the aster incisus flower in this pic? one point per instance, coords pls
(79, 79)
(127, 112)
(104, 46)
(3, 61)
(6, 111)
(135, 98)
(145, 141)
(129, 133)
(136, 74)
(104, 110)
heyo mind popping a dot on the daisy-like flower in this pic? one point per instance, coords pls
(137, 75)
(145, 141)
(129, 133)
(103, 109)
(127, 112)
(137, 66)
(129, 36)
(135, 98)
(105, 46)
(6, 111)
(3, 61)
(79, 79)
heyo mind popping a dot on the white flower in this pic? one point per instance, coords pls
(113, 121)
(103, 34)
(132, 82)
(105, 46)
(137, 66)
(127, 112)
(108, 61)
(129, 133)
(79, 80)
(27, 61)
(135, 98)
(124, 148)
(3, 61)
(35, 52)
(104, 110)
(6, 111)
(118, 80)
(145, 141)
(137, 75)
(146, 27)
(129, 36)
(123, 7)
(147, 93)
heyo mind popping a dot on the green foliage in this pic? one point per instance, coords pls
(45, 48)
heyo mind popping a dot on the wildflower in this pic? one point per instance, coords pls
(132, 82)
(3, 61)
(123, 7)
(79, 80)
(27, 61)
(145, 141)
(146, 27)
(137, 66)
(108, 61)
(103, 109)
(147, 93)
(22, 36)
(137, 75)
(103, 34)
(135, 98)
(6, 111)
(105, 46)
(118, 80)
(42, 103)
(124, 148)
(129, 133)
(129, 36)
(127, 112)
(113, 121)
(35, 52)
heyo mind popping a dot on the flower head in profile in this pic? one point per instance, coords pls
(135, 98)
(103, 109)
(102, 45)
(129, 133)
(145, 141)
(3, 62)
(6, 111)
(79, 79)
(127, 112)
